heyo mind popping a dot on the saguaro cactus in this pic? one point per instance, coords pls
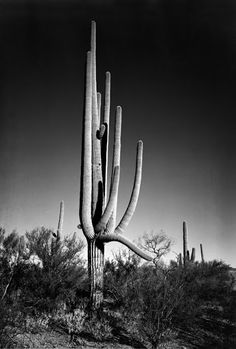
(60, 221)
(202, 255)
(185, 243)
(57, 242)
(193, 255)
(97, 206)
(180, 259)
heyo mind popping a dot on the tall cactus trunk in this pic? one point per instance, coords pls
(96, 273)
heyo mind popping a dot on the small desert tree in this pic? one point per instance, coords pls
(97, 205)
(158, 244)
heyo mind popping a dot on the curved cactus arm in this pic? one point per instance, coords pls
(123, 240)
(60, 221)
(86, 171)
(105, 140)
(135, 192)
(111, 202)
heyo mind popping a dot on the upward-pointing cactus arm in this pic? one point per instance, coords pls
(105, 138)
(99, 101)
(117, 138)
(60, 221)
(86, 173)
(135, 192)
(116, 162)
(97, 187)
(95, 109)
(94, 74)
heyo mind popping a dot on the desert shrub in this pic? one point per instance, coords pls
(202, 318)
(32, 289)
(58, 278)
(80, 323)
(12, 323)
(118, 274)
(70, 322)
(37, 323)
(98, 329)
(160, 303)
(157, 294)
(12, 255)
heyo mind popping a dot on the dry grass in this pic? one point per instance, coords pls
(54, 339)
(49, 339)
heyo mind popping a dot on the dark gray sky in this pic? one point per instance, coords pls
(173, 66)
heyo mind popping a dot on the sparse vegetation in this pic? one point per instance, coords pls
(150, 305)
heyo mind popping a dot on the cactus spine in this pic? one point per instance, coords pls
(97, 206)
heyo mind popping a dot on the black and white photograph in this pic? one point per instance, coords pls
(118, 174)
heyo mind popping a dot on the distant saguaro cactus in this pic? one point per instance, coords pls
(202, 255)
(60, 221)
(180, 259)
(57, 242)
(193, 255)
(185, 243)
(97, 208)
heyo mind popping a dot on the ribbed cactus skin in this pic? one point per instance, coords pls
(98, 205)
